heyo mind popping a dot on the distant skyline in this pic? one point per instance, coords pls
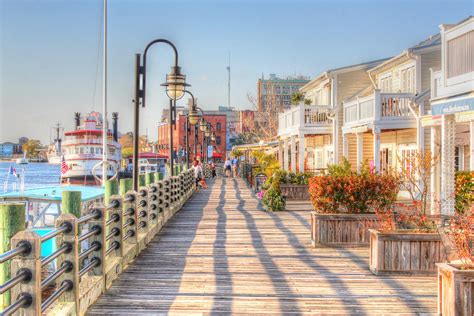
(50, 50)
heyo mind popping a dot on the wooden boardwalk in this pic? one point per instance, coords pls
(221, 253)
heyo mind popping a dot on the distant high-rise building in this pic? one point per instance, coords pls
(277, 92)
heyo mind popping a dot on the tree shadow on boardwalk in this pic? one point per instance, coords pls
(410, 299)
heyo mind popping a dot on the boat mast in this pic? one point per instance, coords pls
(104, 99)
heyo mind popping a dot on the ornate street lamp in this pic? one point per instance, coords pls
(175, 86)
(213, 136)
(203, 125)
(193, 116)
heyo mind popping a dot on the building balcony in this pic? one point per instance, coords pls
(386, 110)
(305, 119)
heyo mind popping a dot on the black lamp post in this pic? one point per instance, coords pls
(175, 85)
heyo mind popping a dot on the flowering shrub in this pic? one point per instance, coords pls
(349, 192)
(260, 194)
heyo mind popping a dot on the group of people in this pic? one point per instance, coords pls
(231, 167)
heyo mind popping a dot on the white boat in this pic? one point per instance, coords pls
(54, 152)
(22, 161)
(151, 162)
(82, 149)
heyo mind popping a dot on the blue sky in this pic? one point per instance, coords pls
(49, 50)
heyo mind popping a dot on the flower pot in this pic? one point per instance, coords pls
(405, 252)
(341, 229)
(295, 191)
(455, 290)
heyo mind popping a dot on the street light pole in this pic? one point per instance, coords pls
(186, 141)
(136, 123)
(175, 85)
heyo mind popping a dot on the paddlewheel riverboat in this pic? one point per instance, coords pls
(83, 150)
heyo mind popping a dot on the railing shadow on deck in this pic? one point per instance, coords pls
(397, 287)
(152, 258)
(285, 294)
(223, 295)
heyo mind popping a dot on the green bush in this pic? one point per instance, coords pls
(272, 198)
(464, 197)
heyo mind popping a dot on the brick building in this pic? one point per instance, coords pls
(218, 122)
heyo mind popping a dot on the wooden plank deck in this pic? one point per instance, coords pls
(222, 254)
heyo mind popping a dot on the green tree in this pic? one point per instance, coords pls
(267, 163)
(237, 153)
(127, 152)
(31, 148)
(296, 98)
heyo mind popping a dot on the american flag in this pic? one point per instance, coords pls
(64, 166)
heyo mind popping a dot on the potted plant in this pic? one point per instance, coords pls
(407, 240)
(272, 198)
(344, 203)
(294, 186)
(456, 278)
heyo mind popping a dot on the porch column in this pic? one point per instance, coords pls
(435, 171)
(376, 134)
(293, 154)
(471, 146)
(301, 153)
(285, 154)
(280, 153)
(420, 136)
(447, 164)
(360, 147)
(335, 141)
(345, 146)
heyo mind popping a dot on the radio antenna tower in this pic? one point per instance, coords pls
(228, 84)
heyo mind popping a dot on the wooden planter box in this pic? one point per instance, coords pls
(405, 252)
(455, 290)
(295, 191)
(341, 229)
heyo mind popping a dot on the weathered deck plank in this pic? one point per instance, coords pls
(223, 254)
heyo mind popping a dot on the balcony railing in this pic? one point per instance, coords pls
(302, 117)
(378, 106)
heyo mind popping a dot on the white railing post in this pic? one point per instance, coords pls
(377, 104)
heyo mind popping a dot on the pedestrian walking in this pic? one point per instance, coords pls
(235, 167)
(228, 167)
(212, 166)
(198, 174)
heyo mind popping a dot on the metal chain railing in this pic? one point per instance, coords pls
(105, 239)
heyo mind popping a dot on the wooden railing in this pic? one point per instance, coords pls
(302, 116)
(378, 106)
(91, 250)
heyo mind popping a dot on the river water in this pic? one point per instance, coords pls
(36, 175)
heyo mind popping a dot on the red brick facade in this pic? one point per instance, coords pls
(218, 123)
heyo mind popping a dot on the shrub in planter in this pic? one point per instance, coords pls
(456, 279)
(407, 241)
(344, 204)
(272, 198)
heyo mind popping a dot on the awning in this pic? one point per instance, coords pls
(453, 105)
(217, 155)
